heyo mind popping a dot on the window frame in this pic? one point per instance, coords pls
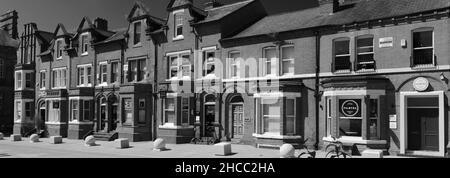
(183, 109)
(115, 75)
(263, 116)
(42, 79)
(59, 80)
(137, 33)
(292, 60)
(84, 79)
(413, 49)
(165, 110)
(19, 80)
(270, 61)
(294, 117)
(84, 43)
(178, 17)
(234, 65)
(180, 65)
(349, 55)
(59, 44)
(207, 62)
(28, 79)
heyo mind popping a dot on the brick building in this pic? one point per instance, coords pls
(8, 47)
(372, 73)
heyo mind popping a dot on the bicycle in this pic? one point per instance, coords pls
(307, 153)
(337, 151)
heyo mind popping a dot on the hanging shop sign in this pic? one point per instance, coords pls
(421, 84)
(350, 107)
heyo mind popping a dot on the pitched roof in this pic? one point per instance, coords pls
(6, 40)
(365, 10)
(222, 11)
(139, 4)
(118, 35)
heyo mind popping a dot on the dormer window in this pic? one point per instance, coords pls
(59, 49)
(178, 25)
(137, 33)
(84, 44)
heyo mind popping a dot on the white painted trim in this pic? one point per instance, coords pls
(275, 136)
(277, 95)
(81, 98)
(103, 63)
(76, 122)
(210, 48)
(356, 140)
(403, 119)
(179, 52)
(55, 99)
(55, 123)
(59, 68)
(173, 126)
(178, 11)
(354, 92)
(84, 65)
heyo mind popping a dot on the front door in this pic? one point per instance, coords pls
(103, 120)
(238, 120)
(423, 129)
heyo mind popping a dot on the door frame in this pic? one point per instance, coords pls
(404, 121)
(233, 119)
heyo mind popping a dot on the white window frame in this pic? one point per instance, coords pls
(291, 116)
(42, 80)
(116, 73)
(59, 51)
(271, 61)
(341, 55)
(59, 80)
(292, 60)
(134, 33)
(176, 14)
(19, 80)
(365, 53)
(328, 115)
(179, 61)
(207, 62)
(165, 109)
(100, 73)
(235, 65)
(18, 106)
(84, 43)
(280, 117)
(86, 77)
(425, 29)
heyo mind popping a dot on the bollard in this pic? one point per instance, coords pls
(372, 154)
(16, 138)
(223, 149)
(56, 139)
(159, 145)
(34, 138)
(122, 143)
(1, 136)
(89, 141)
(287, 151)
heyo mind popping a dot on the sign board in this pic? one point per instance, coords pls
(393, 121)
(247, 119)
(350, 107)
(386, 42)
(421, 84)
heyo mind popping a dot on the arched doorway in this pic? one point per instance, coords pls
(42, 116)
(236, 114)
(102, 121)
(113, 108)
(209, 115)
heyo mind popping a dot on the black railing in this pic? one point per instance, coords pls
(422, 57)
(341, 64)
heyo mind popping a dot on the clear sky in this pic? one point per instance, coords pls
(48, 13)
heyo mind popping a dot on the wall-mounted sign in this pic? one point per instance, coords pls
(393, 121)
(386, 42)
(247, 119)
(421, 84)
(350, 107)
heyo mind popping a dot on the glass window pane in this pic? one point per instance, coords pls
(270, 53)
(342, 47)
(288, 52)
(290, 125)
(350, 127)
(423, 39)
(290, 107)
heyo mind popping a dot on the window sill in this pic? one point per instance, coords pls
(342, 71)
(356, 140)
(83, 86)
(81, 122)
(365, 71)
(178, 38)
(58, 88)
(425, 66)
(85, 54)
(102, 85)
(55, 123)
(276, 136)
(173, 126)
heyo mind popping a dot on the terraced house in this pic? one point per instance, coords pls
(372, 73)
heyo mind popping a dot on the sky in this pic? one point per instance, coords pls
(48, 13)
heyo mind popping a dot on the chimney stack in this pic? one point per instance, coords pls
(212, 4)
(8, 22)
(101, 24)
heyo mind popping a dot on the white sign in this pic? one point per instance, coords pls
(386, 42)
(393, 121)
(393, 125)
(421, 84)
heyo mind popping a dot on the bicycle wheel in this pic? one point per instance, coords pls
(331, 154)
(194, 140)
(305, 155)
(344, 155)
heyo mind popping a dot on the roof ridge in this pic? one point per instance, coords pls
(232, 4)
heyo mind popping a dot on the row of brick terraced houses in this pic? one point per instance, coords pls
(373, 73)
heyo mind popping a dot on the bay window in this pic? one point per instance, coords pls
(42, 79)
(18, 80)
(75, 111)
(59, 78)
(341, 55)
(28, 109)
(374, 117)
(28, 80)
(169, 110)
(350, 117)
(80, 110)
(290, 117)
(287, 59)
(137, 70)
(423, 47)
(271, 116)
(115, 72)
(365, 54)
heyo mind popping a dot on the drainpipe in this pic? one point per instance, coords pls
(155, 92)
(317, 88)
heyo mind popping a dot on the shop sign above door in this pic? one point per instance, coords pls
(421, 84)
(386, 42)
(350, 107)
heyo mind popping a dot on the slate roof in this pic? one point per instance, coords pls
(222, 11)
(365, 10)
(6, 40)
(118, 35)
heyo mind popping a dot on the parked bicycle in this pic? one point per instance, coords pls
(306, 153)
(337, 150)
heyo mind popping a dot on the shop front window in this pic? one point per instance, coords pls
(350, 118)
(374, 115)
(290, 117)
(128, 112)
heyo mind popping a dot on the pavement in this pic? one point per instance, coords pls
(77, 149)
